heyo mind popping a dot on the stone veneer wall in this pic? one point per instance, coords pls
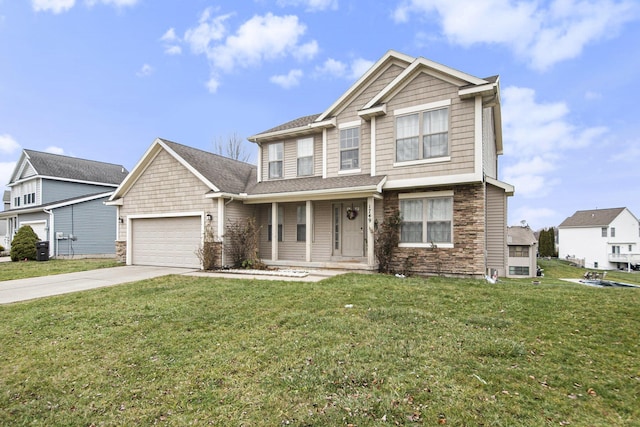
(467, 257)
(121, 251)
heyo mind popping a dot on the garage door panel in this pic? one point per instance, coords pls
(171, 242)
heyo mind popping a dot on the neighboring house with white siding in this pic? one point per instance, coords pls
(523, 252)
(63, 199)
(410, 135)
(606, 239)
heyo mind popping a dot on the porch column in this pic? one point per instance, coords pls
(371, 258)
(220, 227)
(308, 228)
(274, 231)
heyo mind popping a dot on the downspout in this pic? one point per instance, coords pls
(51, 228)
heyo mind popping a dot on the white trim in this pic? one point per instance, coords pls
(371, 257)
(324, 152)
(425, 245)
(426, 194)
(478, 164)
(308, 229)
(275, 224)
(370, 113)
(190, 168)
(349, 171)
(259, 165)
(422, 161)
(422, 107)
(349, 125)
(373, 146)
(433, 180)
(220, 227)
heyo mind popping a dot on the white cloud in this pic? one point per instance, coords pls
(171, 41)
(145, 71)
(534, 215)
(630, 153)
(311, 5)
(289, 80)
(8, 145)
(6, 169)
(54, 150)
(335, 68)
(257, 40)
(59, 6)
(541, 33)
(591, 96)
(55, 6)
(539, 135)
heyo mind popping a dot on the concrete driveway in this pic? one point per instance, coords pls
(38, 287)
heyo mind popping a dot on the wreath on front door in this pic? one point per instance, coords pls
(352, 213)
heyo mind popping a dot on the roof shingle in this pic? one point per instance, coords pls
(592, 218)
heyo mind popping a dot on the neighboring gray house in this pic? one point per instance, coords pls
(62, 199)
(410, 135)
(523, 251)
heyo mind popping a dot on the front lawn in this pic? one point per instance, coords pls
(352, 350)
(26, 269)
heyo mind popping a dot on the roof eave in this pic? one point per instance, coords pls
(293, 132)
(325, 194)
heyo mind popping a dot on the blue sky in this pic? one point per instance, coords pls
(101, 79)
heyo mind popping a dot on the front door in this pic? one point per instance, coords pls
(351, 224)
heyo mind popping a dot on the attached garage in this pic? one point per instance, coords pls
(166, 241)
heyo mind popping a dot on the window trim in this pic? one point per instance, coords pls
(429, 195)
(281, 160)
(345, 127)
(280, 224)
(301, 227)
(420, 110)
(305, 140)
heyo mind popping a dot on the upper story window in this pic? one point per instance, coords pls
(613, 232)
(350, 148)
(604, 231)
(305, 157)
(426, 219)
(519, 251)
(16, 201)
(276, 157)
(422, 135)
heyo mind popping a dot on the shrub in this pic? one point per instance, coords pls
(241, 240)
(23, 245)
(386, 241)
(209, 252)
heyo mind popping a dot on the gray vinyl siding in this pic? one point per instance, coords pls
(290, 157)
(425, 89)
(322, 233)
(92, 223)
(496, 228)
(264, 245)
(490, 157)
(54, 191)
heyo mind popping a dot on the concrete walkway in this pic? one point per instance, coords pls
(38, 287)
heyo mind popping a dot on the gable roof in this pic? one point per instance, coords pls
(592, 218)
(468, 86)
(520, 236)
(218, 173)
(68, 168)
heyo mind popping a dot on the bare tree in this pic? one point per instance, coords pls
(231, 148)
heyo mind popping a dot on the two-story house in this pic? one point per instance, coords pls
(605, 239)
(410, 135)
(62, 199)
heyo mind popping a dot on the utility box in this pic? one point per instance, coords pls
(42, 251)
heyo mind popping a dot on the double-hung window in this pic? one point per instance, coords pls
(422, 135)
(301, 231)
(270, 224)
(276, 156)
(516, 251)
(349, 148)
(305, 157)
(427, 218)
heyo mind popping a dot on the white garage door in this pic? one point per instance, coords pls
(170, 242)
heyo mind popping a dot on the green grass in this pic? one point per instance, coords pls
(184, 350)
(23, 270)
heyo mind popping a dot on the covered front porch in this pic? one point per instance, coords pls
(317, 222)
